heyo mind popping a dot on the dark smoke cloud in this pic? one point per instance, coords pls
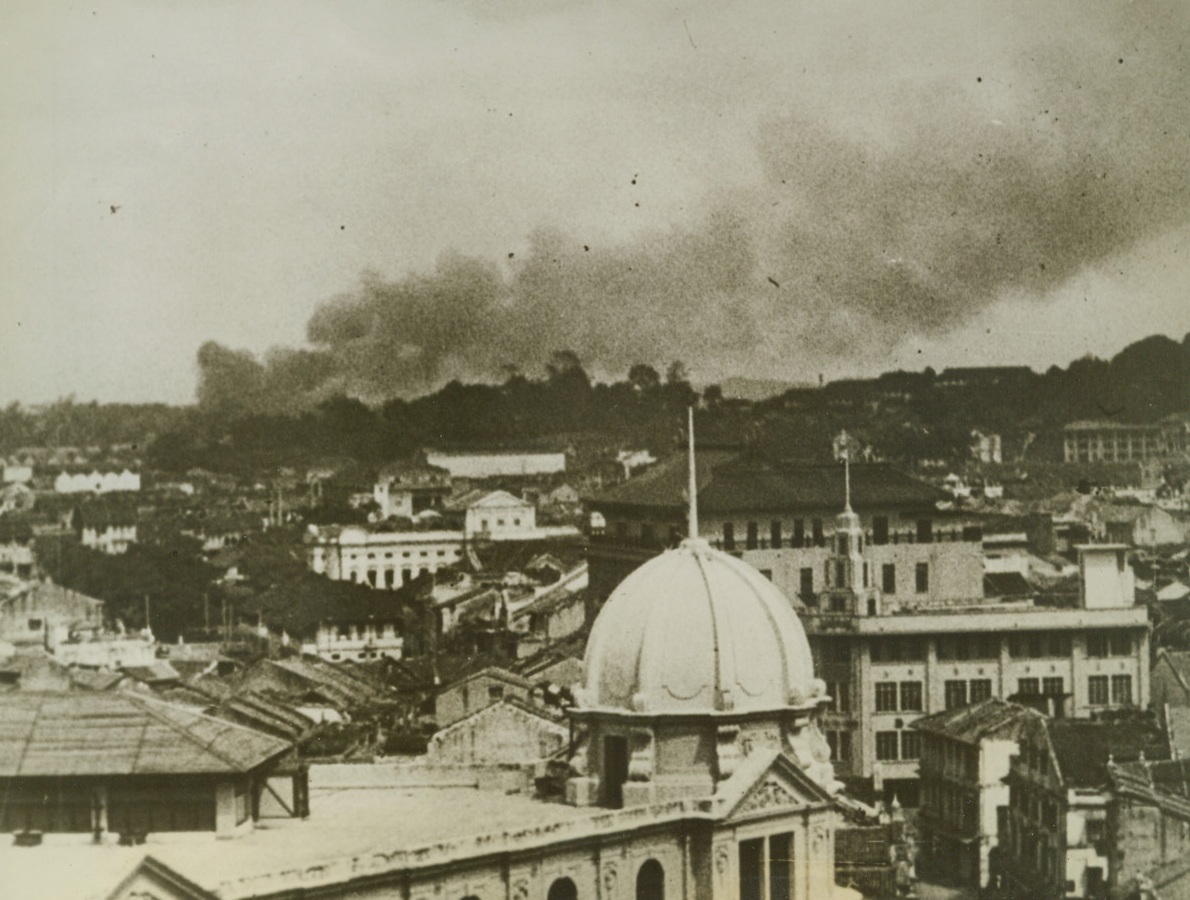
(950, 195)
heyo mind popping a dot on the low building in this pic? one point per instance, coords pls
(479, 691)
(123, 764)
(108, 528)
(91, 480)
(965, 756)
(1063, 830)
(499, 516)
(497, 463)
(365, 641)
(1139, 526)
(407, 489)
(16, 547)
(39, 610)
(511, 732)
(381, 559)
(1170, 679)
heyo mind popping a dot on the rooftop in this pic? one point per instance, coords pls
(991, 718)
(87, 733)
(728, 483)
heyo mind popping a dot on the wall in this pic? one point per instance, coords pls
(491, 465)
(501, 734)
(474, 694)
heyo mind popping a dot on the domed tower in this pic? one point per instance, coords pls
(695, 661)
(848, 579)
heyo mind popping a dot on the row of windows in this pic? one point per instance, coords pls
(1121, 690)
(840, 744)
(960, 692)
(908, 693)
(894, 745)
(405, 554)
(981, 646)
(923, 533)
(779, 859)
(1050, 687)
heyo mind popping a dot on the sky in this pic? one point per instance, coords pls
(376, 197)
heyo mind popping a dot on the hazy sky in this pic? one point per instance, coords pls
(765, 188)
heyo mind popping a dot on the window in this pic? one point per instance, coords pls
(1053, 687)
(753, 540)
(911, 696)
(806, 582)
(922, 577)
(879, 529)
(751, 859)
(495, 693)
(728, 535)
(1097, 690)
(650, 881)
(775, 534)
(1097, 644)
(888, 578)
(925, 531)
(1028, 686)
(799, 532)
(1119, 643)
(969, 646)
(1121, 690)
(886, 745)
(780, 866)
(840, 694)
(886, 696)
(956, 694)
(819, 539)
(898, 649)
(1039, 645)
(980, 689)
(910, 745)
(844, 746)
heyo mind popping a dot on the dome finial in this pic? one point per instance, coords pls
(692, 533)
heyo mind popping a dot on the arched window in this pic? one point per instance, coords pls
(562, 889)
(650, 881)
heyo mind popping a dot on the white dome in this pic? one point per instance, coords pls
(697, 630)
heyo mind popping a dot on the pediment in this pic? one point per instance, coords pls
(780, 786)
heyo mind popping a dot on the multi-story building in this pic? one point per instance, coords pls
(91, 480)
(381, 559)
(356, 641)
(407, 489)
(1109, 441)
(780, 518)
(889, 661)
(965, 756)
(499, 516)
(497, 463)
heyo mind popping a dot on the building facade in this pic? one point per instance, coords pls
(380, 559)
(496, 464)
(1109, 441)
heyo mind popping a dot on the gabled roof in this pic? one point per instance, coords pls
(494, 672)
(498, 500)
(514, 706)
(991, 718)
(86, 733)
(1083, 748)
(765, 780)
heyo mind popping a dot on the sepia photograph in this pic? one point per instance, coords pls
(574, 450)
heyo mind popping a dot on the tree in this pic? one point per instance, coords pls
(644, 379)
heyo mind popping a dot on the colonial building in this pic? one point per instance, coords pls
(497, 463)
(381, 559)
(780, 519)
(965, 756)
(363, 641)
(42, 613)
(499, 516)
(1110, 441)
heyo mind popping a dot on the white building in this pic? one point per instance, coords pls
(499, 516)
(96, 481)
(358, 642)
(382, 559)
(495, 464)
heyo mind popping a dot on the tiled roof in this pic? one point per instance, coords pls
(727, 483)
(1083, 748)
(991, 718)
(86, 733)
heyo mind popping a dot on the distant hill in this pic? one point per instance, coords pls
(756, 389)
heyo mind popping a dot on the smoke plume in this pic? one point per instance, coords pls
(929, 201)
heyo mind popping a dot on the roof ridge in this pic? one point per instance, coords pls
(146, 704)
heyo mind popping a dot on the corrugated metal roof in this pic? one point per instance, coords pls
(72, 734)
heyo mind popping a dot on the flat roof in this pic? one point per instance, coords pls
(975, 618)
(351, 832)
